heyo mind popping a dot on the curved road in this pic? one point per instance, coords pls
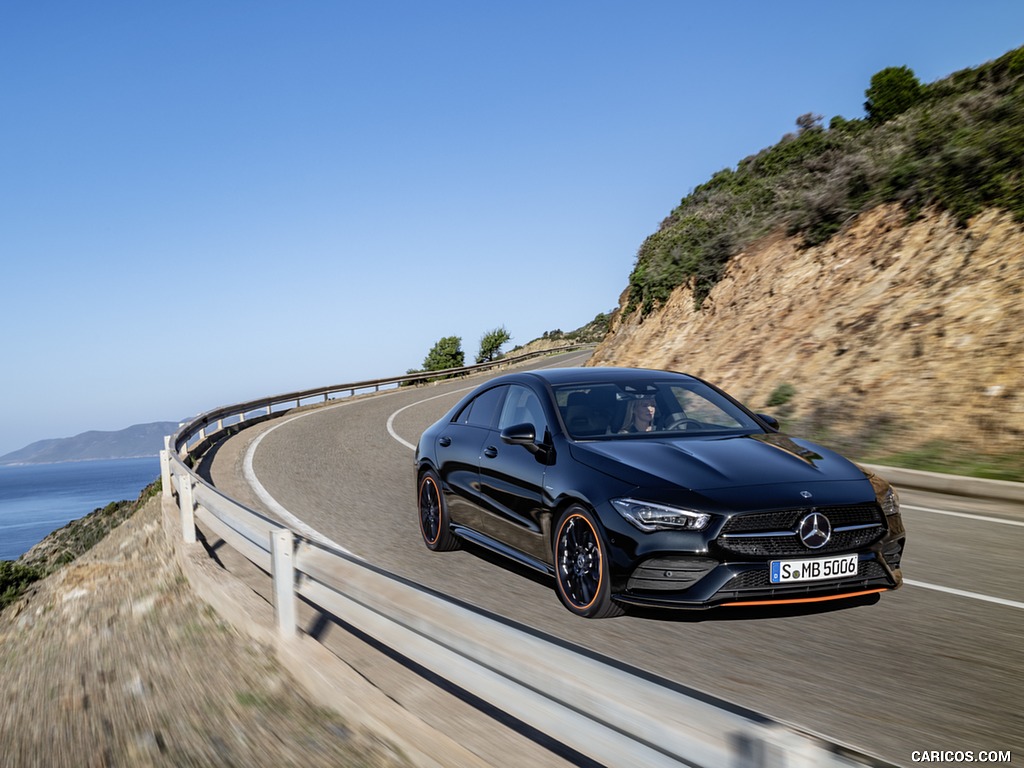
(936, 665)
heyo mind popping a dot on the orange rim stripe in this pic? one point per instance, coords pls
(808, 599)
(600, 565)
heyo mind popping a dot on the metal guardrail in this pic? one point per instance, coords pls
(599, 709)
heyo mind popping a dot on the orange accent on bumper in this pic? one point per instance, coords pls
(808, 599)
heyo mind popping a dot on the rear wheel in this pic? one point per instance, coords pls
(581, 566)
(434, 523)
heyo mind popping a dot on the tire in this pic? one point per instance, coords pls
(581, 566)
(434, 523)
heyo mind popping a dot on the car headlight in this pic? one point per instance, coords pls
(891, 502)
(650, 517)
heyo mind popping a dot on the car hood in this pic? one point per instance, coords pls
(704, 464)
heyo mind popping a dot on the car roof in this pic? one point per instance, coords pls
(601, 375)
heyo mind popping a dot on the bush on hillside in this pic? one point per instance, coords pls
(15, 578)
(892, 92)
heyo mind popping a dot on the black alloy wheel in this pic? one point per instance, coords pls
(434, 523)
(581, 568)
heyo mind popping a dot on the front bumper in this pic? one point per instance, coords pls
(695, 581)
(745, 583)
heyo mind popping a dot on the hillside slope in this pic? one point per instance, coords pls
(888, 338)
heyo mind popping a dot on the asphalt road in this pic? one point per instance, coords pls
(937, 665)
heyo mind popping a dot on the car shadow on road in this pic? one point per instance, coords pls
(507, 564)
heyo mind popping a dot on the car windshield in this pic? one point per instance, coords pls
(648, 407)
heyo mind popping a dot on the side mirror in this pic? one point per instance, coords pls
(771, 421)
(526, 436)
(520, 434)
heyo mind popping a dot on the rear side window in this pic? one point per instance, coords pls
(482, 411)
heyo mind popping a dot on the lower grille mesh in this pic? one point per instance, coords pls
(669, 574)
(758, 579)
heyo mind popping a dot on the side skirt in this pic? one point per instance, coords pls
(502, 549)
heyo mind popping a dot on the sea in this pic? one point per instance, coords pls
(37, 499)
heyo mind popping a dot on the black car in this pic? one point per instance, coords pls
(652, 488)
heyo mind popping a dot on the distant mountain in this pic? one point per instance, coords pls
(134, 442)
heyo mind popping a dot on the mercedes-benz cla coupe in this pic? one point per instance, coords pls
(652, 488)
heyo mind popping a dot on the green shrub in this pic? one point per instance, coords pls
(781, 395)
(446, 353)
(491, 343)
(893, 91)
(15, 578)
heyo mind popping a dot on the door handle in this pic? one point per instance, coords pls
(490, 452)
(445, 441)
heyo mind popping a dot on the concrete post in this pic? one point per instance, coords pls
(282, 554)
(165, 470)
(188, 506)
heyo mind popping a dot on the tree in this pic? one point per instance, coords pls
(447, 353)
(893, 91)
(809, 122)
(490, 344)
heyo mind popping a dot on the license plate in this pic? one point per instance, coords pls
(788, 571)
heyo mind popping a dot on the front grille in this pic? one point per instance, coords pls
(786, 519)
(785, 546)
(781, 539)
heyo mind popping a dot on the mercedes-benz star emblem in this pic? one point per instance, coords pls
(815, 530)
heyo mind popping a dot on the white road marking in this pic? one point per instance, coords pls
(272, 504)
(983, 518)
(391, 418)
(964, 593)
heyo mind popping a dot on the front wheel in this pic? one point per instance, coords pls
(581, 566)
(434, 523)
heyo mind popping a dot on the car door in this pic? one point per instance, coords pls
(512, 478)
(459, 448)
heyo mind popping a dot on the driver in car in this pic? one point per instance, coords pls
(639, 415)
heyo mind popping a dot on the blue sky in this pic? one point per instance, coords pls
(207, 202)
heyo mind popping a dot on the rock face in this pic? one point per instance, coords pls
(891, 336)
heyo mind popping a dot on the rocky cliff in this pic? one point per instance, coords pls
(893, 336)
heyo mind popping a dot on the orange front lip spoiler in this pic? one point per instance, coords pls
(795, 600)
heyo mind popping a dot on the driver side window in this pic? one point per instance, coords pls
(522, 406)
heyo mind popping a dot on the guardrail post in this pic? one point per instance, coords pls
(165, 468)
(282, 552)
(188, 506)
